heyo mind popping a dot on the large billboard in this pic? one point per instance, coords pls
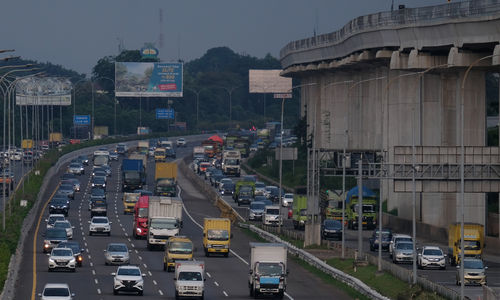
(268, 81)
(43, 91)
(148, 79)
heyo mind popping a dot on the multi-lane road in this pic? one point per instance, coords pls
(227, 277)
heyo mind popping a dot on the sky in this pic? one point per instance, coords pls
(77, 33)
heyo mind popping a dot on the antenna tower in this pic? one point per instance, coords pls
(160, 38)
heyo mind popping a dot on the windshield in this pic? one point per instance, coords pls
(117, 248)
(52, 220)
(435, 252)
(472, 245)
(131, 198)
(180, 247)
(164, 224)
(100, 160)
(404, 246)
(132, 175)
(62, 252)
(257, 206)
(333, 224)
(62, 225)
(269, 269)
(218, 235)
(273, 211)
(473, 264)
(74, 247)
(190, 276)
(143, 212)
(246, 192)
(232, 161)
(100, 220)
(367, 208)
(97, 192)
(129, 271)
(56, 292)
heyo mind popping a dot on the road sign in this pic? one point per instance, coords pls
(81, 120)
(283, 95)
(165, 114)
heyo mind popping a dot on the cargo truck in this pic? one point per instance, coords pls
(216, 236)
(133, 174)
(189, 279)
(166, 179)
(231, 162)
(198, 152)
(268, 269)
(144, 158)
(143, 147)
(178, 248)
(164, 220)
(101, 158)
(55, 138)
(129, 201)
(141, 218)
(369, 210)
(160, 154)
(473, 241)
(299, 211)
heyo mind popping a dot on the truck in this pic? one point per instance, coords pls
(100, 158)
(160, 154)
(143, 147)
(231, 162)
(166, 179)
(178, 248)
(140, 229)
(198, 152)
(55, 138)
(211, 147)
(332, 203)
(189, 279)
(144, 158)
(268, 269)
(241, 184)
(242, 146)
(100, 132)
(164, 220)
(299, 211)
(473, 241)
(129, 201)
(133, 174)
(216, 236)
(370, 205)
(166, 144)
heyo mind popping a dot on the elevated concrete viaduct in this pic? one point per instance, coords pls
(368, 80)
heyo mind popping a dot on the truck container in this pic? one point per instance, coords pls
(100, 132)
(166, 179)
(129, 201)
(141, 218)
(268, 269)
(299, 211)
(55, 138)
(144, 158)
(198, 152)
(133, 174)
(473, 241)
(178, 248)
(189, 279)
(164, 219)
(143, 147)
(231, 162)
(216, 236)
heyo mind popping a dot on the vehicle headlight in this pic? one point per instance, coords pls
(209, 246)
(226, 246)
(138, 230)
(73, 260)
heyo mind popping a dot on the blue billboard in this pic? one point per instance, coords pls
(165, 114)
(81, 120)
(148, 79)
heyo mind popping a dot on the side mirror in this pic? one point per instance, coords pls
(105, 250)
(46, 220)
(175, 279)
(458, 267)
(89, 222)
(250, 272)
(143, 274)
(486, 268)
(72, 227)
(39, 294)
(48, 254)
(72, 294)
(110, 222)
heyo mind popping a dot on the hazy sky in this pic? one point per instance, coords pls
(76, 33)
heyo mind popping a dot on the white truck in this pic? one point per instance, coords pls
(231, 162)
(189, 279)
(143, 147)
(198, 152)
(268, 269)
(164, 219)
(167, 144)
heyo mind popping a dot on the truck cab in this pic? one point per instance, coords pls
(272, 215)
(177, 249)
(129, 201)
(160, 154)
(268, 269)
(189, 279)
(473, 241)
(216, 236)
(141, 217)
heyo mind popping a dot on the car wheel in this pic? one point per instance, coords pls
(140, 293)
(115, 292)
(90, 233)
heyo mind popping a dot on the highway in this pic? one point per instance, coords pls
(227, 277)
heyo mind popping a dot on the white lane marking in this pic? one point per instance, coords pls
(91, 264)
(208, 274)
(93, 272)
(149, 273)
(126, 234)
(132, 244)
(216, 284)
(161, 293)
(90, 257)
(96, 281)
(129, 240)
(140, 257)
(225, 294)
(99, 291)
(154, 282)
(136, 252)
(145, 266)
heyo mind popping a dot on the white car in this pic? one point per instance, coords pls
(56, 291)
(287, 199)
(51, 220)
(62, 258)
(260, 188)
(396, 238)
(67, 226)
(181, 142)
(431, 257)
(271, 215)
(128, 279)
(100, 225)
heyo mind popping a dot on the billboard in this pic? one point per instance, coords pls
(268, 81)
(81, 120)
(288, 153)
(43, 91)
(148, 79)
(164, 114)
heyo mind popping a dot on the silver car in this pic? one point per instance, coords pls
(402, 252)
(116, 253)
(76, 168)
(475, 272)
(56, 291)
(62, 258)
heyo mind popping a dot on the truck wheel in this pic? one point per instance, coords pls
(165, 268)
(226, 254)
(281, 294)
(206, 252)
(251, 291)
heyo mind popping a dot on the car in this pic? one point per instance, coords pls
(209, 171)
(98, 207)
(84, 159)
(431, 257)
(100, 225)
(222, 181)
(67, 190)
(287, 199)
(272, 216)
(216, 177)
(56, 291)
(256, 210)
(116, 253)
(77, 250)
(474, 272)
(253, 148)
(264, 199)
(58, 206)
(398, 238)
(151, 151)
(144, 192)
(128, 279)
(227, 188)
(113, 155)
(386, 239)
(251, 178)
(170, 152)
(65, 225)
(107, 170)
(98, 193)
(53, 218)
(121, 149)
(62, 258)
(272, 193)
(99, 172)
(66, 176)
(98, 182)
(260, 188)
(402, 252)
(331, 229)
(181, 142)
(76, 168)
(74, 182)
(52, 237)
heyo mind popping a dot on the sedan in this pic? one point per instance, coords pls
(74, 182)
(475, 272)
(386, 239)
(56, 291)
(116, 253)
(58, 206)
(76, 168)
(431, 257)
(402, 253)
(113, 156)
(67, 190)
(331, 229)
(77, 250)
(99, 182)
(99, 173)
(256, 210)
(67, 226)
(287, 199)
(128, 279)
(62, 258)
(84, 159)
(100, 225)
(98, 193)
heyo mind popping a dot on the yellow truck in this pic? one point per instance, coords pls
(55, 138)
(216, 236)
(27, 144)
(129, 201)
(160, 154)
(178, 248)
(166, 179)
(473, 241)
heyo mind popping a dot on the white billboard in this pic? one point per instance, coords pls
(43, 91)
(268, 81)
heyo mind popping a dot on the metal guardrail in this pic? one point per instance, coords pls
(398, 18)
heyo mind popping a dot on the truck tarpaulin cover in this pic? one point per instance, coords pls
(354, 193)
(216, 138)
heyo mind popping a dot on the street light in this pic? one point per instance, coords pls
(197, 93)
(74, 105)
(114, 98)
(230, 91)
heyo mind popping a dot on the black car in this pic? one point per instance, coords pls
(98, 182)
(386, 239)
(77, 250)
(59, 206)
(98, 193)
(331, 229)
(98, 208)
(170, 152)
(227, 188)
(216, 176)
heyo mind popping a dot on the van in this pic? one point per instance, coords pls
(272, 216)
(216, 236)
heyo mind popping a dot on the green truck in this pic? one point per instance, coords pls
(299, 211)
(241, 184)
(370, 207)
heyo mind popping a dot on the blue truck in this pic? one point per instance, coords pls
(133, 174)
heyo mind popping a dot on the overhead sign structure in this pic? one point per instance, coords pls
(165, 114)
(81, 120)
(43, 91)
(268, 81)
(148, 79)
(288, 153)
